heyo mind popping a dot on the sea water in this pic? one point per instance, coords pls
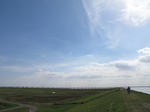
(142, 89)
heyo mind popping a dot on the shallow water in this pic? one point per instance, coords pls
(142, 89)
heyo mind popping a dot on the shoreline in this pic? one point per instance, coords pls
(140, 92)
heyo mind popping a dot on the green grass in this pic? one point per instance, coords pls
(90, 100)
(4, 105)
(44, 96)
(53, 108)
(137, 102)
(119, 101)
(24, 109)
(109, 103)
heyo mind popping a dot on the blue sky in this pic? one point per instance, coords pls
(74, 43)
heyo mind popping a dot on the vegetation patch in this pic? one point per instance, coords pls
(87, 99)
(24, 109)
(46, 95)
(4, 105)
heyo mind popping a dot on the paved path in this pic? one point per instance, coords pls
(31, 108)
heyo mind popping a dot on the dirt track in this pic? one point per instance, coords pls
(31, 108)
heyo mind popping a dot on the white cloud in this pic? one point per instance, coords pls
(106, 18)
(145, 55)
(31, 68)
(124, 65)
(16, 68)
(115, 73)
(145, 58)
(118, 73)
(136, 12)
(103, 15)
(93, 74)
(40, 70)
(145, 51)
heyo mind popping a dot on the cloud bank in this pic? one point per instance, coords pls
(115, 73)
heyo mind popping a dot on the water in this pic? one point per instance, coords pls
(142, 89)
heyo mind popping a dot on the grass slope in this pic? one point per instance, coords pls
(109, 103)
(89, 98)
(119, 101)
(137, 102)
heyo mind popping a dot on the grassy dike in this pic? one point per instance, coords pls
(119, 101)
(112, 102)
(78, 100)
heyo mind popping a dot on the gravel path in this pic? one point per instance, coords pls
(31, 108)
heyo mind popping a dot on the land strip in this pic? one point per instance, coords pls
(85, 100)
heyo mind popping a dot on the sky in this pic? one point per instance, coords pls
(74, 43)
